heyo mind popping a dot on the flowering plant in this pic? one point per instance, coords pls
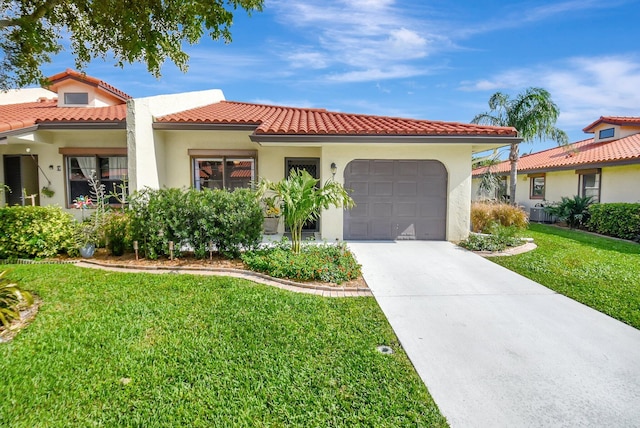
(82, 202)
(271, 208)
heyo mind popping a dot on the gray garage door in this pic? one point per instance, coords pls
(396, 199)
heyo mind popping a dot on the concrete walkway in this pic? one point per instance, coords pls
(498, 350)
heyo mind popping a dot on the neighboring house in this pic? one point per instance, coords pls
(411, 179)
(605, 167)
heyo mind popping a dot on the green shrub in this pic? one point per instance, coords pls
(621, 220)
(484, 215)
(499, 239)
(574, 211)
(158, 216)
(323, 262)
(232, 221)
(117, 232)
(12, 299)
(35, 232)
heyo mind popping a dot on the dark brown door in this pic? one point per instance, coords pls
(396, 199)
(312, 166)
(21, 175)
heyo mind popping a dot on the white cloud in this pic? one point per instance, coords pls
(302, 59)
(376, 74)
(584, 88)
(373, 39)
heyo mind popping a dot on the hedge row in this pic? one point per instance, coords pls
(192, 219)
(621, 220)
(35, 232)
(232, 221)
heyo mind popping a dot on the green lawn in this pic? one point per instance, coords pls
(116, 349)
(600, 272)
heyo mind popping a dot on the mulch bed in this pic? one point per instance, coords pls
(187, 260)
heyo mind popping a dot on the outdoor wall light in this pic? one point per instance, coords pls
(334, 169)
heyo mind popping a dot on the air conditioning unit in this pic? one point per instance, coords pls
(538, 215)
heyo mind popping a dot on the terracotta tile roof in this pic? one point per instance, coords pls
(81, 77)
(17, 116)
(614, 120)
(279, 120)
(583, 153)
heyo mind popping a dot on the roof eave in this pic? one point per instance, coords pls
(84, 125)
(274, 139)
(577, 167)
(203, 126)
(12, 132)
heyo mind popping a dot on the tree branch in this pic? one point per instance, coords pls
(4, 23)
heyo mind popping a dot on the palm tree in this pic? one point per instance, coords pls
(303, 200)
(533, 113)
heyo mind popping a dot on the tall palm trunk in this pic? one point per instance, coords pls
(513, 178)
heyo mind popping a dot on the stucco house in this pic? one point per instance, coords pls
(411, 179)
(605, 167)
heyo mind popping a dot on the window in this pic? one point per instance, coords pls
(606, 133)
(76, 98)
(536, 190)
(223, 173)
(109, 170)
(502, 192)
(589, 183)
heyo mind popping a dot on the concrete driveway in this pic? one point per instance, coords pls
(498, 350)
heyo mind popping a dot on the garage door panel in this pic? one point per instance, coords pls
(407, 209)
(360, 210)
(382, 188)
(432, 169)
(358, 188)
(427, 229)
(431, 210)
(380, 229)
(407, 168)
(396, 199)
(358, 229)
(381, 209)
(434, 189)
(359, 167)
(406, 188)
(382, 168)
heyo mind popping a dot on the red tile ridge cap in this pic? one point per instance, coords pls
(284, 120)
(565, 150)
(83, 77)
(613, 120)
(16, 124)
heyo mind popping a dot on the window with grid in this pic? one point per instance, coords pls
(223, 173)
(536, 187)
(589, 182)
(111, 171)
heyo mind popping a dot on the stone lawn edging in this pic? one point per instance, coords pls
(511, 251)
(285, 284)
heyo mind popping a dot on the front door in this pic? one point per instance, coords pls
(312, 166)
(21, 175)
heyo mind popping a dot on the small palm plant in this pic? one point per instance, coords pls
(574, 211)
(12, 299)
(302, 200)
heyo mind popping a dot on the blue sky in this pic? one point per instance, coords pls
(424, 59)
